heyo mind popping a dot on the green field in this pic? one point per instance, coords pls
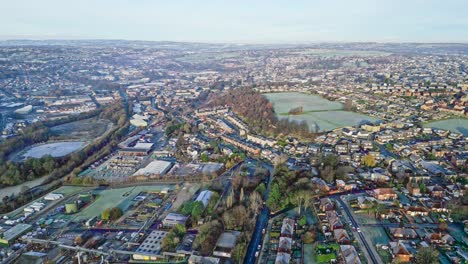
(121, 197)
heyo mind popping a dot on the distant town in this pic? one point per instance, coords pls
(167, 152)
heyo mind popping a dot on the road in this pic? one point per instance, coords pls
(374, 258)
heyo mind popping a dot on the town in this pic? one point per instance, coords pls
(165, 152)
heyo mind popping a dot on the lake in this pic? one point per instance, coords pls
(326, 114)
(458, 125)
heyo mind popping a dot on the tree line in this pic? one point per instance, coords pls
(258, 112)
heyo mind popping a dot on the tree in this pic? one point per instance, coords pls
(427, 255)
(230, 199)
(443, 226)
(274, 197)
(115, 213)
(179, 230)
(422, 187)
(255, 201)
(241, 197)
(197, 209)
(204, 157)
(261, 189)
(208, 233)
(327, 173)
(105, 214)
(369, 161)
(310, 236)
(330, 160)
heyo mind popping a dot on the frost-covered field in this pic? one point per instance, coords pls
(56, 149)
(318, 111)
(455, 125)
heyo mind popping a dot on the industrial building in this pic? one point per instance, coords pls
(173, 219)
(204, 197)
(156, 167)
(151, 246)
(9, 236)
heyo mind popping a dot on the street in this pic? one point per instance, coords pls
(374, 257)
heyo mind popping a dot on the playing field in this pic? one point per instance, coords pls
(120, 197)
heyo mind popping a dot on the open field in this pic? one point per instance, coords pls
(86, 130)
(377, 235)
(120, 197)
(456, 125)
(317, 111)
(55, 149)
(364, 218)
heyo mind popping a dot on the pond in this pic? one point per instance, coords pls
(318, 112)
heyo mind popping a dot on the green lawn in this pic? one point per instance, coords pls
(325, 258)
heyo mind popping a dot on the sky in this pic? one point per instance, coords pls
(237, 21)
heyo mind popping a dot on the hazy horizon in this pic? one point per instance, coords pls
(258, 22)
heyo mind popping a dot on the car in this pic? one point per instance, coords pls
(359, 229)
(259, 247)
(256, 254)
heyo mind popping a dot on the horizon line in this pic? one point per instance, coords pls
(234, 42)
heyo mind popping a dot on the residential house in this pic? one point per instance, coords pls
(417, 211)
(439, 239)
(334, 221)
(326, 204)
(341, 236)
(384, 194)
(349, 254)
(401, 251)
(405, 233)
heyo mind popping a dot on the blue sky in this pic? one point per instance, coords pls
(238, 21)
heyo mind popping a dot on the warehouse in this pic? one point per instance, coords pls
(151, 246)
(9, 236)
(173, 219)
(156, 167)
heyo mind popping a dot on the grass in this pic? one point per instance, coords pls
(385, 255)
(309, 253)
(364, 218)
(325, 258)
(377, 235)
(333, 246)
